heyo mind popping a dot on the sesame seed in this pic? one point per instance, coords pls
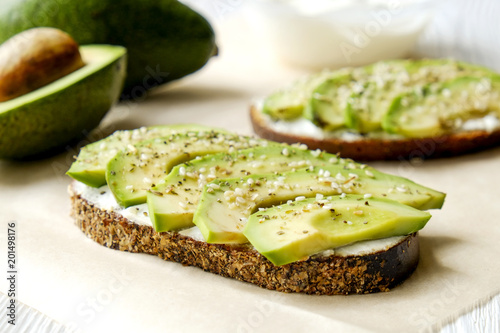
(340, 177)
(402, 189)
(316, 152)
(300, 198)
(214, 186)
(367, 196)
(319, 196)
(369, 173)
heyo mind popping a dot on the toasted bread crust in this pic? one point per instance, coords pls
(384, 149)
(332, 275)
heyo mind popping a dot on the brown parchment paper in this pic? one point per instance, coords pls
(90, 288)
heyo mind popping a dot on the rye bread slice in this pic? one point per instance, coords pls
(320, 275)
(368, 149)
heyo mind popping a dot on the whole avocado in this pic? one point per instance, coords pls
(165, 39)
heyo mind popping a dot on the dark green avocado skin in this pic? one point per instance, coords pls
(165, 39)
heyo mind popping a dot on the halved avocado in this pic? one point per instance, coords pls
(65, 110)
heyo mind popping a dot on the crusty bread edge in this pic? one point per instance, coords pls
(383, 149)
(332, 275)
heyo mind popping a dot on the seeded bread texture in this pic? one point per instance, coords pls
(320, 275)
(383, 149)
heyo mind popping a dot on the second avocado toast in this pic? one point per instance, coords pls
(280, 216)
(389, 110)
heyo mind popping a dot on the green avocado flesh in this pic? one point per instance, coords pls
(136, 169)
(295, 231)
(426, 113)
(221, 214)
(358, 99)
(90, 165)
(66, 109)
(165, 39)
(234, 189)
(173, 201)
(289, 102)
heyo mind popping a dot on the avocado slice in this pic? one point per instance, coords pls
(172, 202)
(90, 165)
(441, 109)
(366, 108)
(328, 101)
(223, 211)
(136, 169)
(288, 103)
(295, 231)
(165, 39)
(64, 110)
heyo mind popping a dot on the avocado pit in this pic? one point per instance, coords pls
(35, 58)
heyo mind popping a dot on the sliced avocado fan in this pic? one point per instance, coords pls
(366, 109)
(172, 202)
(223, 210)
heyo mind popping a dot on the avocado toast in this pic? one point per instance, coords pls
(280, 216)
(398, 109)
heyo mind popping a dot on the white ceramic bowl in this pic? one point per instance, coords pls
(319, 34)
